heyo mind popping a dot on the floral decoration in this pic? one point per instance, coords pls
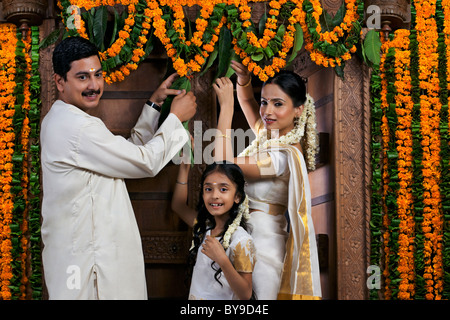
(410, 185)
(280, 39)
(19, 186)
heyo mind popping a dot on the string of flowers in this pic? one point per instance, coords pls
(188, 56)
(127, 51)
(411, 157)
(19, 202)
(243, 213)
(250, 49)
(445, 131)
(417, 185)
(8, 42)
(34, 218)
(377, 217)
(389, 206)
(263, 56)
(19, 184)
(403, 134)
(430, 106)
(331, 48)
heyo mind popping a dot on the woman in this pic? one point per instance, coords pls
(284, 123)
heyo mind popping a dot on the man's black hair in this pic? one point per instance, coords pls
(71, 49)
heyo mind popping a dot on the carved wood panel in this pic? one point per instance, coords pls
(352, 154)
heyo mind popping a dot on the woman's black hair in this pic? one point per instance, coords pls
(205, 221)
(292, 84)
(69, 50)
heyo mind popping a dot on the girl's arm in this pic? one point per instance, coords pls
(240, 282)
(180, 195)
(223, 149)
(245, 95)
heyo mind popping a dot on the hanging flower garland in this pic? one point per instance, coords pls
(188, 55)
(411, 181)
(430, 108)
(388, 206)
(275, 44)
(263, 56)
(445, 131)
(128, 50)
(331, 48)
(8, 42)
(403, 135)
(19, 201)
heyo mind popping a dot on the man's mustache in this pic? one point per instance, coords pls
(91, 92)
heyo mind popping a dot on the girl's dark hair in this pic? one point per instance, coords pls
(69, 50)
(292, 84)
(205, 221)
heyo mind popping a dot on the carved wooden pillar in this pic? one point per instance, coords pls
(393, 14)
(24, 13)
(353, 175)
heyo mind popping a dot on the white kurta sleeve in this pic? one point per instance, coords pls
(145, 127)
(98, 150)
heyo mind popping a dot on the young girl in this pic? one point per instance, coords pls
(222, 250)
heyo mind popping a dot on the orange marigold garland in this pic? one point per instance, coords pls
(333, 47)
(430, 107)
(445, 131)
(124, 54)
(8, 42)
(264, 56)
(386, 142)
(403, 135)
(188, 55)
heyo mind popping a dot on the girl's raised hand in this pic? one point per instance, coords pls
(224, 90)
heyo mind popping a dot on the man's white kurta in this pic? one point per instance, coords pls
(92, 247)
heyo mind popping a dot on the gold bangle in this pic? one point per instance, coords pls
(225, 136)
(245, 85)
(181, 182)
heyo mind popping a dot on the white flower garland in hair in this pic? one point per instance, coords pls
(306, 120)
(242, 213)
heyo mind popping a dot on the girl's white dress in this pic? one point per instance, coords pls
(287, 264)
(241, 253)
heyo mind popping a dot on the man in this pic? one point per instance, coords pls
(92, 247)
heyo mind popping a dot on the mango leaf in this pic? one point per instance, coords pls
(326, 21)
(114, 32)
(262, 23)
(225, 51)
(99, 27)
(50, 39)
(230, 70)
(180, 84)
(339, 16)
(211, 59)
(372, 46)
(298, 42)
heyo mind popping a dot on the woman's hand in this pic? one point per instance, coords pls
(242, 73)
(224, 90)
